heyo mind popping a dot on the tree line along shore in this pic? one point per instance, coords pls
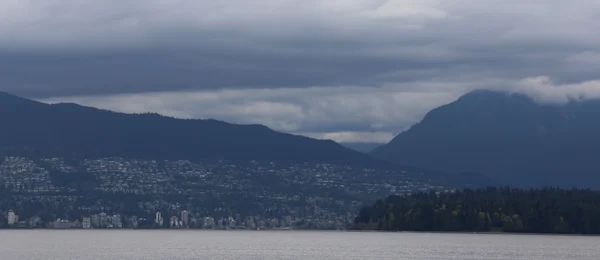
(545, 210)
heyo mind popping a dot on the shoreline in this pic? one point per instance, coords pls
(310, 230)
(475, 233)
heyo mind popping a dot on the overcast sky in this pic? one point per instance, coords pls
(348, 70)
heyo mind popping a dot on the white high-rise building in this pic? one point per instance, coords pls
(158, 219)
(185, 218)
(231, 222)
(116, 221)
(103, 220)
(13, 219)
(96, 221)
(86, 223)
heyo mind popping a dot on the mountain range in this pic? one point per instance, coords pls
(484, 137)
(69, 130)
(508, 137)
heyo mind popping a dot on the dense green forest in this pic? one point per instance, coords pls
(546, 210)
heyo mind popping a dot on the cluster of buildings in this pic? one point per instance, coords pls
(99, 221)
(13, 220)
(19, 174)
(200, 194)
(120, 175)
(151, 177)
(184, 220)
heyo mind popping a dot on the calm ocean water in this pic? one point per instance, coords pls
(155, 245)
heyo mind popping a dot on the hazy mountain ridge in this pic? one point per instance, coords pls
(508, 137)
(72, 130)
(361, 147)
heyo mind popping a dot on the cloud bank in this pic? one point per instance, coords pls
(348, 114)
(350, 70)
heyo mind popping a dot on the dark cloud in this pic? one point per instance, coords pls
(322, 68)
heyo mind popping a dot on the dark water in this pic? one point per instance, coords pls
(155, 245)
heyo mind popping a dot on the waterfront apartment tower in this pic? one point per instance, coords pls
(185, 218)
(12, 218)
(158, 219)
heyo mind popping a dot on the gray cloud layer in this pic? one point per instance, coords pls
(351, 70)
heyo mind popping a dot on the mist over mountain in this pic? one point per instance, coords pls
(72, 130)
(361, 147)
(508, 137)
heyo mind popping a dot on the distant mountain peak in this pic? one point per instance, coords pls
(483, 95)
(507, 136)
(484, 92)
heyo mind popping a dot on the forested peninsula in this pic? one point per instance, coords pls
(544, 210)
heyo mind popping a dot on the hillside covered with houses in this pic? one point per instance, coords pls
(309, 195)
